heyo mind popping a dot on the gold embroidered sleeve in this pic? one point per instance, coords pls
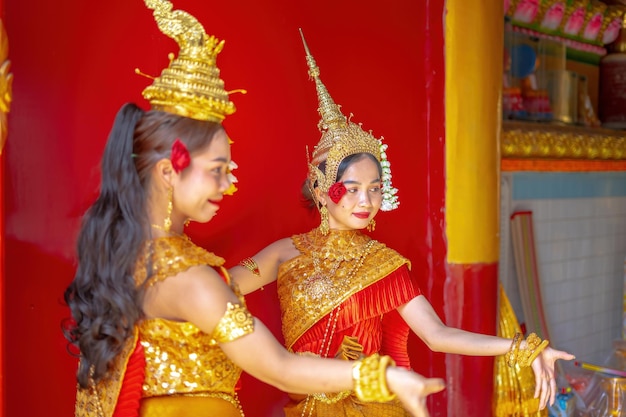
(236, 322)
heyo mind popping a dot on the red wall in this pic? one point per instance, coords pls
(74, 64)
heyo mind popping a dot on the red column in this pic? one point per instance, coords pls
(5, 94)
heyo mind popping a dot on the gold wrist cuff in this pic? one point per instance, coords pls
(534, 346)
(524, 356)
(370, 378)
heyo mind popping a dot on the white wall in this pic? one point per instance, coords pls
(580, 232)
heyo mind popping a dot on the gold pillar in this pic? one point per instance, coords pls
(474, 42)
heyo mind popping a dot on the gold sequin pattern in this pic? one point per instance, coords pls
(304, 300)
(180, 358)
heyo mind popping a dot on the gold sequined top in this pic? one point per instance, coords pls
(180, 358)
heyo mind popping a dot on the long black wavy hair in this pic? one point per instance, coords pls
(104, 300)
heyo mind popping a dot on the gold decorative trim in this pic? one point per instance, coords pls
(6, 85)
(549, 141)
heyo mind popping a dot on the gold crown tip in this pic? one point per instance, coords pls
(306, 47)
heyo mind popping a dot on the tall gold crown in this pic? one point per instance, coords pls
(341, 138)
(191, 85)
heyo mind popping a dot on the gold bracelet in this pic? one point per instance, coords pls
(251, 265)
(370, 378)
(528, 358)
(511, 356)
(534, 346)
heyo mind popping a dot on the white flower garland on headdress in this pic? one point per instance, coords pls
(390, 199)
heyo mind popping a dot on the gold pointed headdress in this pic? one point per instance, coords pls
(341, 138)
(191, 85)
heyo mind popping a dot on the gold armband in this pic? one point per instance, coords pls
(236, 322)
(251, 265)
(370, 378)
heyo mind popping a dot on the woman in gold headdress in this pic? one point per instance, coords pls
(160, 328)
(345, 295)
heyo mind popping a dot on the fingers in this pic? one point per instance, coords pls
(552, 390)
(545, 389)
(541, 391)
(418, 406)
(412, 389)
(538, 383)
(433, 385)
(561, 354)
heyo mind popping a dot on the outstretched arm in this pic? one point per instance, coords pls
(426, 324)
(263, 267)
(200, 296)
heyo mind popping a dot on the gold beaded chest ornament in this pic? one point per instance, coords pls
(341, 138)
(191, 85)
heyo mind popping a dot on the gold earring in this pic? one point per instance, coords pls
(371, 226)
(324, 226)
(167, 223)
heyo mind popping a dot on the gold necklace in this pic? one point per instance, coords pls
(322, 284)
(319, 289)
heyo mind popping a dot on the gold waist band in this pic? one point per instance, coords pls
(205, 405)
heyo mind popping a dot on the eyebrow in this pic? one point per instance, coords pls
(220, 159)
(349, 182)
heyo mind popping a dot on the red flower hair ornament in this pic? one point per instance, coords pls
(336, 191)
(180, 156)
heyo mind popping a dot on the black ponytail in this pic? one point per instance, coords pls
(103, 297)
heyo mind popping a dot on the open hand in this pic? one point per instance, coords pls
(412, 389)
(545, 381)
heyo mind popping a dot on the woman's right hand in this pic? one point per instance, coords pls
(412, 389)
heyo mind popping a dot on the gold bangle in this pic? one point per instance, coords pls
(251, 265)
(511, 356)
(370, 378)
(528, 360)
(534, 346)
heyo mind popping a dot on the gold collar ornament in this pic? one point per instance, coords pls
(341, 138)
(191, 85)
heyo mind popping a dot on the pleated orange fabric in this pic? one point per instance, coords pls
(370, 316)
